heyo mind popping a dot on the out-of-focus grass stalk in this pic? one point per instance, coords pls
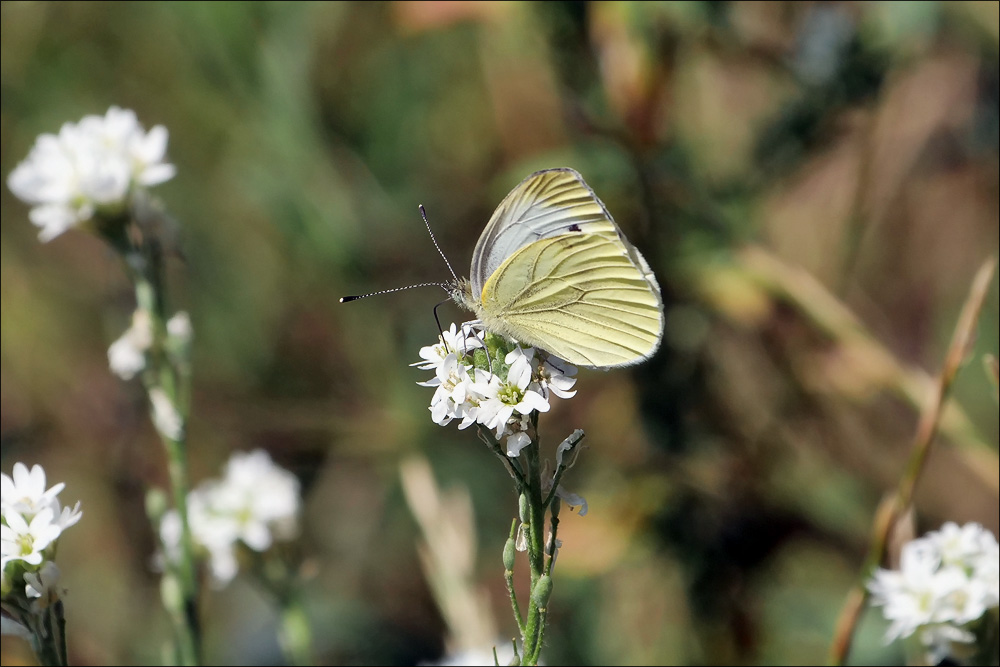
(179, 588)
(761, 269)
(898, 504)
(448, 556)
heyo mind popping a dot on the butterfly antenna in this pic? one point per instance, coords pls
(345, 299)
(423, 214)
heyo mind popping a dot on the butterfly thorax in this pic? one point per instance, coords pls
(462, 293)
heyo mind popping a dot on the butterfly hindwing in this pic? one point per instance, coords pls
(588, 298)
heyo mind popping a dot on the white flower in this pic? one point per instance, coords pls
(501, 398)
(555, 375)
(40, 584)
(572, 499)
(938, 638)
(255, 502)
(946, 580)
(568, 445)
(25, 493)
(20, 540)
(215, 535)
(263, 497)
(179, 327)
(166, 419)
(516, 442)
(88, 167)
(459, 342)
(959, 546)
(452, 384)
(127, 355)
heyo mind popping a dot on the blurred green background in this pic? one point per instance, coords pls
(814, 184)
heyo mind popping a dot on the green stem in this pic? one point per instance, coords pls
(512, 466)
(554, 522)
(281, 584)
(48, 635)
(144, 265)
(508, 575)
(534, 627)
(186, 617)
(294, 633)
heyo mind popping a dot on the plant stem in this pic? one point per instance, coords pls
(281, 584)
(294, 633)
(508, 575)
(144, 265)
(535, 625)
(48, 635)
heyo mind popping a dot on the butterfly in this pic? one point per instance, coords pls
(553, 270)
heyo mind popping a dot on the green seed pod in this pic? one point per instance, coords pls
(508, 554)
(542, 591)
(522, 507)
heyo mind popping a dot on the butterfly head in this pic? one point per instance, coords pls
(460, 292)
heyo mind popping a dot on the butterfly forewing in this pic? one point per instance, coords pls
(546, 204)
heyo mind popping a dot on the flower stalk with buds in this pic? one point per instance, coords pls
(94, 175)
(501, 387)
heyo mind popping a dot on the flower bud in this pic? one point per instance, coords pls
(542, 591)
(508, 554)
(522, 508)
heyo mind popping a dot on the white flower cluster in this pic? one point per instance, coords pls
(88, 168)
(946, 579)
(256, 502)
(465, 389)
(32, 521)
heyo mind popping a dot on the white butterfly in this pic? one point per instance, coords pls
(553, 270)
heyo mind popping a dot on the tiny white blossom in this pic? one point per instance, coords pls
(938, 638)
(88, 167)
(39, 584)
(959, 545)
(127, 355)
(572, 499)
(946, 580)
(568, 445)
(555, 375)
(454, 341)
(165, 416)
(263, 497)
(501, 398)
(255, 502)
(24, 492)
(20, 540)
(179, 327)
(452, 391)
(516, 442)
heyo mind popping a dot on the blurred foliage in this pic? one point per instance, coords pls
(731, 480)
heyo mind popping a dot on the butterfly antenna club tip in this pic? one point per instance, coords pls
(355, 297)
